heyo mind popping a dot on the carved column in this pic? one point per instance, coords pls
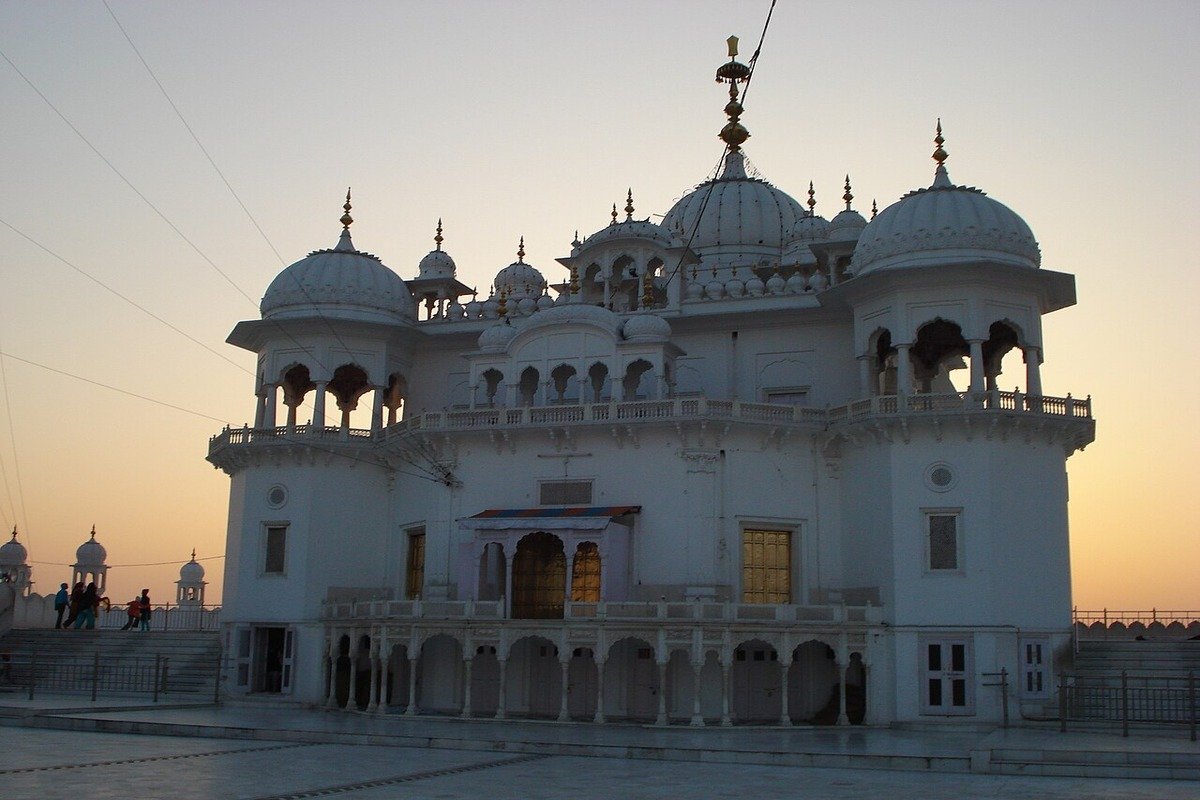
(904, 371)
(785, 717)
(319, 405)
(726, 687)
(466, 709)
(563, 714)
(413, 662)
(864, 377)
(976, 366)
(270, 403)
(842, 719)
(377, 408)
(661, 719)
(599, 716)
(373, 657)
(500, 704)
(331, 700)
(1033, 372)
(697, 718)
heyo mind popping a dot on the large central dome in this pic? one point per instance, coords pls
(739, 216)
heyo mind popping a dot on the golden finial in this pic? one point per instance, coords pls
(93, 530)
(733, 72)
(574, 286)
(14, 530)
(438, 238)
(193, 554)
(575, 242)
(629, 205)
(647, 289)
(939, 155)
(812, 199)
(346, 218)
(847, 196)
(614, 215)
(874, 208)
(521, 251)
(502, 305)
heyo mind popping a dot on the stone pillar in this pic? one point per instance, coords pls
(599, 716)
(269, 405)
(291, 419)
(1033, 371)
(319, 405)
(260, 408)
(331, 700)
(864, 377)
(373, 699)
(352, 679)
(377, 408)
(697, 718)
(842, 719)
(563, 715)
(385, 658)
(466, 709)
(726, 677)
(500, 704)
(413, 662)
(661, 719)
(508, 568)
(976, 366)
(904, 371)
(570, 583)
(785, 717)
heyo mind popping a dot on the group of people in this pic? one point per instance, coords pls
(82, 607)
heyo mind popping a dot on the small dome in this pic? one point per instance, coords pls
(629, 229)
(497, 337)
(192, 571)
(945, 224)
(13, 553)
(810, 228)
(341, 282)
(91, 551)
(519, 279)
(646, 327)
(740, 214)
(437, 263)
(845, 227)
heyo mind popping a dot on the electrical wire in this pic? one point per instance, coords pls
(148, 564)
(12, 438)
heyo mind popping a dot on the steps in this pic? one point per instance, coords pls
(1149, 658)
(65, 661)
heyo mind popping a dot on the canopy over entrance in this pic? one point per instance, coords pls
(569, 518)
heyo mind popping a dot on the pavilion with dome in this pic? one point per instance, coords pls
(743, 465)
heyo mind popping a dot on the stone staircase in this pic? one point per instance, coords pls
(116, 662)
(1151, 658)
(1135, 683)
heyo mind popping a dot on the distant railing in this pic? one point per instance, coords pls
(165, 617)
(665, 612)
(115, 675)
(1124, 624)
(1129, 699)
(671, 409)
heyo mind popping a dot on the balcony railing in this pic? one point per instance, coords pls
(660, 612)
(680, 408)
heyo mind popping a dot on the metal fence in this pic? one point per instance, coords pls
(96, 675)
(1129, 699)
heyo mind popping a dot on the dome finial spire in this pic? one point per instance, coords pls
(521, 251)
(812, 200)
(848, 196)
(346, 218)
(437, 239)
(733, 72)
(629, 205)
(193, 554)
(941, 178)
(874, 208)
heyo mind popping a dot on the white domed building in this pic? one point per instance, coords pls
(90, 566)
(748, 465)
(189, 589)
(14, 565)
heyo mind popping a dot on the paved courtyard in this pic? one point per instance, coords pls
(37, 764)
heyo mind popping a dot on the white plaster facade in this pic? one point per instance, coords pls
(684, 385)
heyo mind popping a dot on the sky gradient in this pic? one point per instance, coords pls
(531, 119)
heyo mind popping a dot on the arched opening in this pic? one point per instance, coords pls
(598, 380)
(393, 399)
(585, 574)
(539, 577)
(939, 350)
(485, 682)
(342, 672)
(1002, 356)
(349, 383)
(631, 384)
(681, 686)
(491, 572)
(533, 678)
(756, 682)
(883, 363)
(492, 379)
(528, 386)
(856, 689)
(582, 677)
(439, 675)
(625, 285)
(566, 385)
(658, 293)
(631, 681)
(591, 284)
(296, 383)
(362, 672)
(396, 682)
(813, 684)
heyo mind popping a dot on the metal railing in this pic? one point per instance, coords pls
(1128, 699)
(1113, 623)
(165, 617)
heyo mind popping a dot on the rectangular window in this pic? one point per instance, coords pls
(416, 564)
(275, 550)
(766, 566)
(786, 397)
(1033, 667)
(942, 536)
(565, 493)
(947, 677)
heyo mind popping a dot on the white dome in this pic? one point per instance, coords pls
(742, 214)
(810, 228)
(846, 226)
(519, 279)
(13, 553)
(943, 224)
(191, 572)
(341, 282)
(497, 337)
(629, 229)
(646, 327)
(91, 552)
(574, 313)
(436, 264)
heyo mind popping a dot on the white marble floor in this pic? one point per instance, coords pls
(51, 765)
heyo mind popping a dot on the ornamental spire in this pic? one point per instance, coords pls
(614, 215)
(647, 289)
(733, 72)
(437, 240)
(346, 218)
(874, 208)
(941, 178)
(521, 251)
(848, 196)
(193, 554)
(812, 200)
(629, 205)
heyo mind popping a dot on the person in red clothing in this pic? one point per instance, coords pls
(134, 609)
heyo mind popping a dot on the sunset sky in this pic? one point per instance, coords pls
(510, 119)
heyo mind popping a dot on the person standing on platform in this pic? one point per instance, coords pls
(87, 608)
(134, 611)
(74, 605)
(144, 606)
(61, 601)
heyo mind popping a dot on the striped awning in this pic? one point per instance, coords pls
(569, 518)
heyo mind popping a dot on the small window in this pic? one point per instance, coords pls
(1033, 667)
(275, 550)
(766, 566)
(565, 493)
(942, 533)
(786, 397)
(415, 571)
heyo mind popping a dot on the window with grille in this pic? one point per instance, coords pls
(565, 493)
(943, 540)
(275, 550)
(415, 571)
(585, 574)
(766, 566)
(947, 677)
(1035, 682)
